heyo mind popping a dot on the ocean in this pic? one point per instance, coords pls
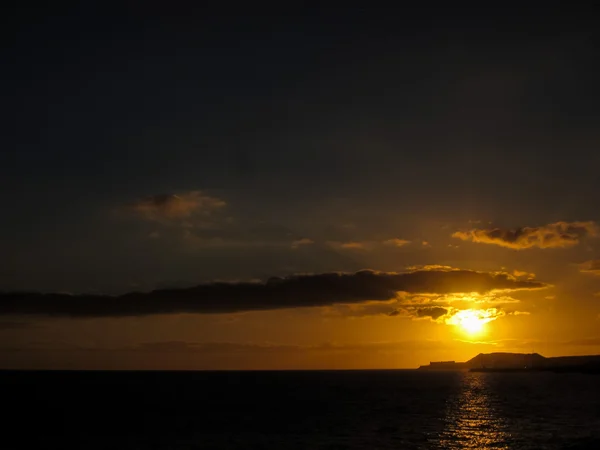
(391, 409)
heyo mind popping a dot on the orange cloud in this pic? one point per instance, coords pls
(351, 245)
(432, 267)
(521, 273)
(554, 235)
(396, 242)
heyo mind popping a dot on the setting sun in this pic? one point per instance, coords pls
(471, 321)
(472, 325)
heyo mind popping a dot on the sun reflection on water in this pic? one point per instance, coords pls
(472, 419)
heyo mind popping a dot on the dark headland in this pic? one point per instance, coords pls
(520, 362)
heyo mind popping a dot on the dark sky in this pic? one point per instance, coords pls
(419, 112)
(156, 146)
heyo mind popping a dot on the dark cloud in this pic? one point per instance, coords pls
(434, 312)
(452, 315)
(554, 235)
(276, 293)
(428, 312)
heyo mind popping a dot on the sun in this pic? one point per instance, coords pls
(472, 322)
(472, 325)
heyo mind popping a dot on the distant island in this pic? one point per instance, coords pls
(520, 362)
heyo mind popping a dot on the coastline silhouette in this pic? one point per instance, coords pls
(520, 362)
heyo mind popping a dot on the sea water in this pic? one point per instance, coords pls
(393, 409)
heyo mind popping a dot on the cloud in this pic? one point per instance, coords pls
(423, 305)
(358, 310)
(295, 291)
(554, 235)
(458, 317)
(591, 267)
(351, 245)
(451, 315)
(195, 221)
(167, 207)
(367, 245)
(434, 312)
(437, 267)
(396, 242)
(523, 274)
(460, 298)
(300, 242)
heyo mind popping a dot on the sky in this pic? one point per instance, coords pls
(191, 188)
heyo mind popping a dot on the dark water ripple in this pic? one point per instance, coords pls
(300, 410)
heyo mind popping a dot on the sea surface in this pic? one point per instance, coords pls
(392, 409)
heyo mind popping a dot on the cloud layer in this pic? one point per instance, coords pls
(291, 292)
(554, 235)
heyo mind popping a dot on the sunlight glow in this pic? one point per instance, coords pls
(472, 325)
(472, 321)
